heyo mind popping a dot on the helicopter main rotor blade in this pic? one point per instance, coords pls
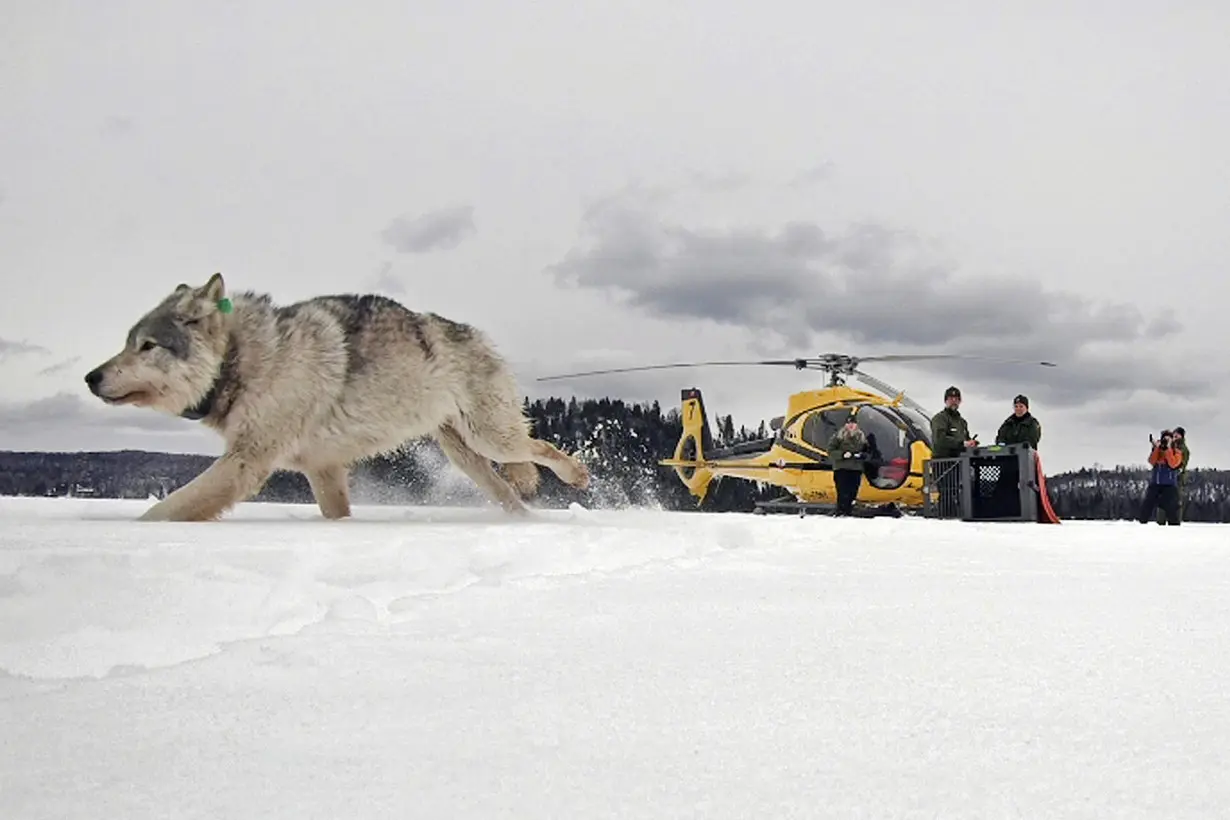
(829, 363)
(798, 363)
(932, 356)
(890, 390)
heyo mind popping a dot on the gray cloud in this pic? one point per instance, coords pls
(879, 289)
(1147, 414)
(721, 183)
(66, 421)
(384, 281)
(815, 174)
(117, 125)
(60, 407)
(67, 407)
(10, 348)
(437, 230)
(1166, 323)
(59, 367)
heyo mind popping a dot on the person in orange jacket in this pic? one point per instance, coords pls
(1163, 491)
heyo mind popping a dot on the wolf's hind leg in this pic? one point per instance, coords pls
(501, 434)
(523, 475)
(330, 487)
(479, 469)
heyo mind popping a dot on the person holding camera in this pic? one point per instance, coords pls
(1178, 441)
(1163, 491)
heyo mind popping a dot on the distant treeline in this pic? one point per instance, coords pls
(620, 442)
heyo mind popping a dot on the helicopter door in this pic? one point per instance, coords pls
(891, 447)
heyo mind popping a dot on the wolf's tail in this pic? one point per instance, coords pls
(523, 476)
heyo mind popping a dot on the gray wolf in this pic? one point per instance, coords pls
(318, 385)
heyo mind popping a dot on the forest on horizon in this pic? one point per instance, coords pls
(620, 442)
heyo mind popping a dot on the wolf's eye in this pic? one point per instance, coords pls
(193, 321)
(147, 345)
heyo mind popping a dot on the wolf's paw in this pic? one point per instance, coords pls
(523, 476)
(578, 475)
(158, 512)
(515, 507)
(168, 510)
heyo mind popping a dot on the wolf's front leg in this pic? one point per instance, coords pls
(226, 482)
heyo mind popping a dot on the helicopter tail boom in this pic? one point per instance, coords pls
(695, 442)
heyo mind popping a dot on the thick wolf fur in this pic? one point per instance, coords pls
(318, 385)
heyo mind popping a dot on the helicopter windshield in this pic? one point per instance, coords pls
(890, 440)
(918, 420)
(889, 433)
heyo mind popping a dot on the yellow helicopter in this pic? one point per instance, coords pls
(795, 456)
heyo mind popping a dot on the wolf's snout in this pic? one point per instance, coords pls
(93, 379)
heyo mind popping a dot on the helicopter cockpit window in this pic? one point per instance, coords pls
(820, 427)
(890, 463)
(920, 421)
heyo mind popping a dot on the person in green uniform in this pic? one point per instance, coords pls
(1178, 441)
(1021, 427)
(949, 430)
(949, 437)
(848, 451)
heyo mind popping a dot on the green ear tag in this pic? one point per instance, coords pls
(224, 305)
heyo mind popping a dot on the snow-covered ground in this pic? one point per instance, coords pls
(451, 663)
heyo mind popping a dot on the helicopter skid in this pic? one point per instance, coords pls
(802, 508)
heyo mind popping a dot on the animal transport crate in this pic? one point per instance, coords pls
(995, 482)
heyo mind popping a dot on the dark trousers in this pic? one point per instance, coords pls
(1160, 498)
(847, 482)
(1161, 514)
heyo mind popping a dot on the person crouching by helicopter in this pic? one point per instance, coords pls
(1163, 490)
(848, 452)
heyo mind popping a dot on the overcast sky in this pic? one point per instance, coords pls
(641, 182)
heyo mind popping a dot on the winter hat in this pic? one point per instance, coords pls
(1021, 400)
(952, 392)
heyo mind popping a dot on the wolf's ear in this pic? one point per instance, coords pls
(215, 288)
(182, 287)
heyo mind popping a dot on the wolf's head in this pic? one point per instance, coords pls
(172, 354)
